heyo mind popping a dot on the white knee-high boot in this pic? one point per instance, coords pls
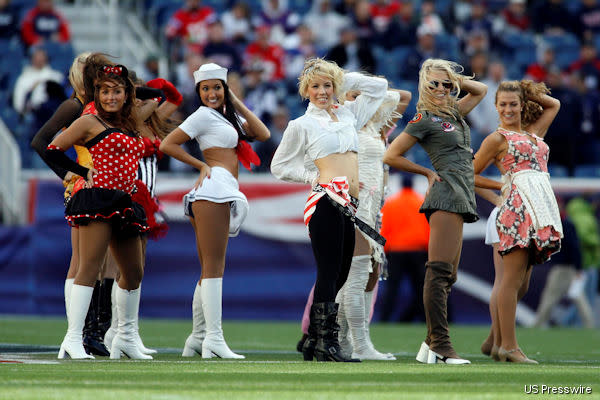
(127, 306)
(114, 320)
(68, 287)
(368, 301)
(214, 342)
(344, 336)
(193, 344)
(79, 302)
(138, 339)
(354, 300)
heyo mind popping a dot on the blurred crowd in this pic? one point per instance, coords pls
(265, 42)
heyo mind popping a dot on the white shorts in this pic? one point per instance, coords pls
(221, 187)
(491, 231)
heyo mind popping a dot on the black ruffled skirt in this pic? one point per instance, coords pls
(108, 205)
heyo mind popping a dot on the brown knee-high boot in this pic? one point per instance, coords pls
(438, 279)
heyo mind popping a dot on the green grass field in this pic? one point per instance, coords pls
(273, 370)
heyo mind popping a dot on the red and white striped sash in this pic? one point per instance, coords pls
(338, 189)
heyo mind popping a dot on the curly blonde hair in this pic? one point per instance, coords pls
(527, 90)
(315, 67)
(454, 71)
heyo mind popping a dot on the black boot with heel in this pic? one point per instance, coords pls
(327, 347)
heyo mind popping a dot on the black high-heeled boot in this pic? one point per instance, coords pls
(300, 343)
(92, 341)
(308, 347)
(328, 347)
(104, 306)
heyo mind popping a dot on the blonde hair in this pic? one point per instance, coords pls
(76, 73)
(319, 67)
(527, 90)
(454, 71)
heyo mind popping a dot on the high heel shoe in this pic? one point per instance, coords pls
(486, 347)
(124, 341)
(214, 344)
(74, 351)
(218, 348)
(515, 355)
(436, 358)
(140, 345)
(193, 346)
(494, 353)
(128, 347)
(423, 353)
(308, 348)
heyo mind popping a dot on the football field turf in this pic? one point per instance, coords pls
(569, 358)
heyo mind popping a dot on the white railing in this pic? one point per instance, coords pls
(10, 178)
(127, 36)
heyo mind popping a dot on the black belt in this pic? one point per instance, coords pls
(360, 224)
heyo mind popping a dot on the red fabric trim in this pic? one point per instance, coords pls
(247, 155)
(32, 200)
(71, 218)
(142, 196)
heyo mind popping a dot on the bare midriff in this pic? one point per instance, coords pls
(340, 164)
(222, 157)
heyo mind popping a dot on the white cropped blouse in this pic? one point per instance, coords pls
(315, 135)
(210, 129)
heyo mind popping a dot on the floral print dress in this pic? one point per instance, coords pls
(515, 221)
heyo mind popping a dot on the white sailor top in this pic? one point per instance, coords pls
(210, 129)
(315, 135)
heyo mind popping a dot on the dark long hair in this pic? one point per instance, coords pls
(228, 112)
(93, 63)
(125, 118)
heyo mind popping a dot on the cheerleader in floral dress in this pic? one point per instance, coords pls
(528, 220)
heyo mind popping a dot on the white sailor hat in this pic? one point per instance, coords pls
(210, 71)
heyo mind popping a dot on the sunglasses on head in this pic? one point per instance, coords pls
(445, 84)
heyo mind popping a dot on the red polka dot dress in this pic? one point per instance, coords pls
(115, 156)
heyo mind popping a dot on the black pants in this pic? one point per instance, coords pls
(332, 239)
(401, 264)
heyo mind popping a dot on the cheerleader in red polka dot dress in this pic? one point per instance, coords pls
(103, 209)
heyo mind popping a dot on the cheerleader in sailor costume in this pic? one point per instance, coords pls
(215, 206)
(326, 136)
(102, 207)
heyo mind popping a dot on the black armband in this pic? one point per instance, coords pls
(146, 93)
(55, 155)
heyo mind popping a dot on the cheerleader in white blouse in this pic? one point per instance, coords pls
(354, 299)
(326, 136)
(216, 207)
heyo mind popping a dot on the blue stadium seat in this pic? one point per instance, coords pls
(443, 8)
(495, 6)
(448, 44)
(566, 48)
(219, 6)
(573, 6)
(391, 62)
(60, 55)
(162, 11)
(300, 6)
(11, 118)
(558, 171)
(587, 171)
